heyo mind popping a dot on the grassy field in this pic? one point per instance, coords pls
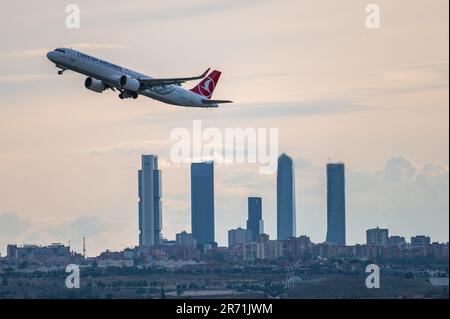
(354, 287)
(242, 285)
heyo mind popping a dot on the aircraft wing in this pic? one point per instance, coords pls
(155, 82)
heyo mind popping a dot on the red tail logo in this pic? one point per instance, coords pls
(208, 84)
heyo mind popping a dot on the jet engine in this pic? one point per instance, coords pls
(94, 85)
(128, 83)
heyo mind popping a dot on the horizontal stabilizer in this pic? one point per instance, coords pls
(215, 101)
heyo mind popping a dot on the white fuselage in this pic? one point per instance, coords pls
(110, 74)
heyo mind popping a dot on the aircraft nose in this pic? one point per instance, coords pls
(51, 55)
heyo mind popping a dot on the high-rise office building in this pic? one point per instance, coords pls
(336, 203)
(285, 198)
(255, 222)
(202, 202)
(150, 208)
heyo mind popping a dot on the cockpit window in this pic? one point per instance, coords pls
(60, 50)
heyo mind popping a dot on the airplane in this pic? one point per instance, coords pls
(103, 75)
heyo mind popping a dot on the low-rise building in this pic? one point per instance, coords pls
(377, 236)
(238, 237)
(185, 239)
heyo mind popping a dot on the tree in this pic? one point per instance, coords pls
(409, 275)
(180, 289)
(163, 295)
(23, 264)
(140, 291)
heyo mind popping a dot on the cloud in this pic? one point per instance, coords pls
(12, 225)
(19, 78)
(96, 46)
(238, 114)
(236, 179)
(179, 218)
(404, 196)
(418, 74)
(27, 53)
(79, 227)
(126, 147)
(297, 108)
(170, 12)
(399, 169)
(15, 229)
(39, 52)
(408, 79)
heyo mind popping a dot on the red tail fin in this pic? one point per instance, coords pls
(208, 84)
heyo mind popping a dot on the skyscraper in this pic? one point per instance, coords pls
(285, 198)
(202, 202)
(336, 203)
(150, 209)
(255, 222)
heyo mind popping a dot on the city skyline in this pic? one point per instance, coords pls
(202, 210)
(150, 211)
(239, 236)
(337, 91)
(202, 169)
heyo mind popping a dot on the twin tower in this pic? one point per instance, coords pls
(202, 203)
(286, 212)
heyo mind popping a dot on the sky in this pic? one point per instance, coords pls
(375, 99)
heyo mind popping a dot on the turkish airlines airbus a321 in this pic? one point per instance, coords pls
(103, 75)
